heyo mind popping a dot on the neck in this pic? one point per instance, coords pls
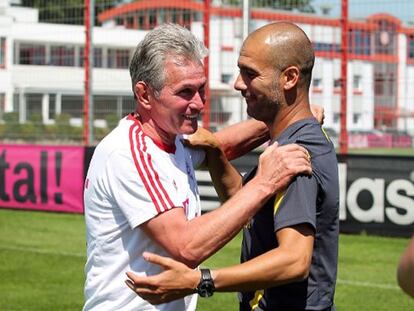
(153, 131)
(287, 115)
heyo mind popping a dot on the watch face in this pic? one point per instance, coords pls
(206, 289)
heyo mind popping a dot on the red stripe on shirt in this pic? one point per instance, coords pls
(157, 179)
(142, 148)
(137, 165)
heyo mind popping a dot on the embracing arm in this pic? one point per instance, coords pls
(405, 271)
(226, 179)
(287, 263)
(192, 241)
(240, 138)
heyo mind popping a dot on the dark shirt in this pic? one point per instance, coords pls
(313, 200)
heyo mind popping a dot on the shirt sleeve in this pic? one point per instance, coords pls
(140, 187)
(197, 156)
(297, 204)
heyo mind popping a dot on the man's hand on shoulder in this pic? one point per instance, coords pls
(203, 139)
(278, 165)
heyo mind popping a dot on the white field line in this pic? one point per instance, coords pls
(367, 284)
(39, 251)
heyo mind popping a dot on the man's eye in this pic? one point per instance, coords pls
(248, 74)
(185, 92)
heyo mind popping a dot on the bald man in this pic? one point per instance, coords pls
(290, 247)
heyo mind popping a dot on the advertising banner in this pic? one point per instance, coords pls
(377, 195)
(48, 178)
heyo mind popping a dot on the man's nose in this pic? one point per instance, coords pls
(199, 100)
(239, 83)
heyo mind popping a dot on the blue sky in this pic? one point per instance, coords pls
(403, 9)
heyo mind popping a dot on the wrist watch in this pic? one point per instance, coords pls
(206, 286)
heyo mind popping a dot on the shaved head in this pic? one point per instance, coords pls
(283, 45)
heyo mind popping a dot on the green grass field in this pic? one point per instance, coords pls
(42, 257)
(409, 152)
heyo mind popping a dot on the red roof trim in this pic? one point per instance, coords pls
(149, 4)
(384, 16)
(371, 23)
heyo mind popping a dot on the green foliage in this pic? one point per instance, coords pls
(67, 11)
(112, 120)
(42, 256)
(11, 125)
(11, 117)
(288, 5)
(100, 133)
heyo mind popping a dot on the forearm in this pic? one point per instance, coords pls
(205, 235)
(226, 179)
(238, 139)
(270, 269)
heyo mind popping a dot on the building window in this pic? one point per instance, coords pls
(62, 55)
(97, 57)
(34, 107)
(141, 20)
(336, 117)
(317, 85)
(72, 105)
(226, 78)
(130, 22)
(337, 83)
(359, 42)
(103, 105)
(2, 52)
(187, 18)
(379, 82)
(385, 85)
(118, 58)
(356, 118)
(386, 38)
(326, 47)
(52, 107)
(2, 105)
(152, 19)
(357, 82)
(128, 105)
(410, 47)
(31, 54)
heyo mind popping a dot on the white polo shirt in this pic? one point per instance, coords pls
(130, 180)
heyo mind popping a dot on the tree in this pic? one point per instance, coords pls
(67, 11)
(289, 5)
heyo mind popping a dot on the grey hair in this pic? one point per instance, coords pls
(147, 63)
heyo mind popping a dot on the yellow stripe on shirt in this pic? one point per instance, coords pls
(326, 134)
(278, 201)
(255, 301)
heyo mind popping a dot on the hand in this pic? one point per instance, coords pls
(204, 139)
(279, 165)
(318, 112)
(175, 282)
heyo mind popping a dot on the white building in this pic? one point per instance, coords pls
(41, 64)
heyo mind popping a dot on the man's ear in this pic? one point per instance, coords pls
(142, 92)
(290, 77)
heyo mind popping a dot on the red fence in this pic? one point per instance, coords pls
(363, 75)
